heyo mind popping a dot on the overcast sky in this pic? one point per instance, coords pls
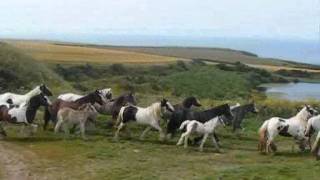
(278, 19)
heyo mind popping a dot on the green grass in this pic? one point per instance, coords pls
(102, 158)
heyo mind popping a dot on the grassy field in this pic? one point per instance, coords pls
(54, 53)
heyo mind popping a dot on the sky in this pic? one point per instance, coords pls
(274, 19)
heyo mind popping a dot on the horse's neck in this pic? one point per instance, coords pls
(302, 116)
(85, 99)
(33, 92)
(155, 109)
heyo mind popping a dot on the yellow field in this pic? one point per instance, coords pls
(276, 68)
(56, 53)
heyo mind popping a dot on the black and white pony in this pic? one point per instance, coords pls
(23, 114)
(18, 99)
(177, 118)
(293, 127)
(193, 127)
(149, 116)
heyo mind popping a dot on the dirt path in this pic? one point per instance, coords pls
(14, 162)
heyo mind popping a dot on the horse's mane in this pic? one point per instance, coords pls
(85, 99)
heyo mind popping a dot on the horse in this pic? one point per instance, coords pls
(149, 116)
(112, 107)
(313, 126)
(202, 116)
(52, 110)
(17, 99)
(25, 113)
(68, 116)
(292, 127)
(239, 113)
(198, 128)
(105, 93)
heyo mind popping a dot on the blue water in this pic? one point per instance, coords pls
(294, 91)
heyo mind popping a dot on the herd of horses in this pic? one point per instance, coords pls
(70, 110)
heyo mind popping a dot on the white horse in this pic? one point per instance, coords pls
(149, 116)
(293, 127)
(194, 127)
(105, 94)
(313, 127)
(18, 99)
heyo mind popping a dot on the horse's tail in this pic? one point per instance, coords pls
(184, 123)
(263, 136)
(120, 116)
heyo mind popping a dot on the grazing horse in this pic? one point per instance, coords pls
(202, 116)
(149, 116)
(23, 114)
(239, 114)
(68, 116)
(52, 110)
(198, 128)
(17, 99)
(313, 127)
(106, 94)
(112, 107)
(292, 127)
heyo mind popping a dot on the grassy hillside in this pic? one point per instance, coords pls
(20, 72)
(58, 53)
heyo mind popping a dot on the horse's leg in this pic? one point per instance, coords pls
(66, 130)
(116, 135)
(161, 133)
(58, 125)
(180, 142)
(186, 139)
(83, 130)
(145, 132)
(215, 142)
(2, 132)
(315, 145)
(203, 141)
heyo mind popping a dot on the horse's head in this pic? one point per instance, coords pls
(166, 105)
(191, 101)
(106, 93)
(130, 99)
(312, 111)
(96, 97)
(226, 110)
(45, 90)
(252, 108)
(40, 100)
(221, 121)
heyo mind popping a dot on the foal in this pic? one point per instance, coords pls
(68, 116)
(150, 116)
(198, 128)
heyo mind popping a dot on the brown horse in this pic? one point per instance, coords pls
(52, 111)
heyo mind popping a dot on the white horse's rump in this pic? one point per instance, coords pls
(18, 99)
(313, 127)
(150, 116)
(68, 116)
(198, 128)
(73, 97)
(295, 127)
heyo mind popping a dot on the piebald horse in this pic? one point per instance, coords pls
(149, 116)
(23, 114)
(106, 94)
(18, 99)
(293, 127)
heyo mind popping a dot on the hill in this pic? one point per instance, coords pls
(65, 53)
(19, 71)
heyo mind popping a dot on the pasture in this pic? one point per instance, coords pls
(46, 155)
